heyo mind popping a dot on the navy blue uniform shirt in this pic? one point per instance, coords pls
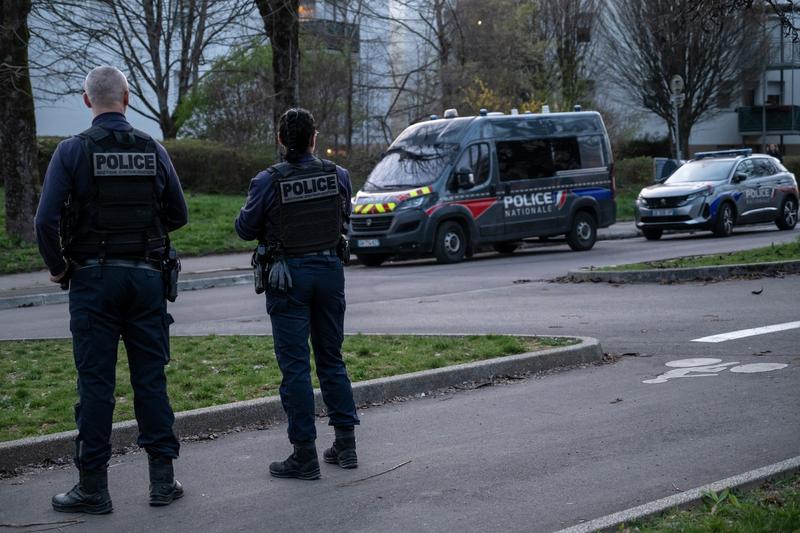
(70, 172)
(250, 222)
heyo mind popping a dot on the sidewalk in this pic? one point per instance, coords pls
(34, 288)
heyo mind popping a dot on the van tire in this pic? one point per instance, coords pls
(505, 247)
(372, 260)
(787, 215)
(451, 243)
(583, 234)
(723, 225)
(652, 234)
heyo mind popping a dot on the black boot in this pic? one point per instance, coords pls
(164, 488)
(90, 495)
(343, 451)
(302, 464)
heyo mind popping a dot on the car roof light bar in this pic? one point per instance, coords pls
(724, 153)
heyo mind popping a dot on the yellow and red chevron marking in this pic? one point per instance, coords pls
(373, 209)
(414, 193)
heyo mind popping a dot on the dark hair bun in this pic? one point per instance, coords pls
(296, 130)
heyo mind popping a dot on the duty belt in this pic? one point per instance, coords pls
(329, 251)
(127, 263)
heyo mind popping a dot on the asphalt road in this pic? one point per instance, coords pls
(533, 455)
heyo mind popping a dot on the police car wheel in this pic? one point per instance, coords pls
(451, 243)
(372, 260)
(652, 234)
(505, 247)
(583, 234)
(723, 226)
(787, 215)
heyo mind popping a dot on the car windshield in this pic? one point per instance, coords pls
(702, 170)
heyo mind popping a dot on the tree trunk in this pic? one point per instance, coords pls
(18, 148)
(282, 25)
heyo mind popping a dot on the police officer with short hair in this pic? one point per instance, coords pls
(109, 198)
(297, 210)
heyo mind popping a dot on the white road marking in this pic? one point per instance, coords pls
(749, 332)
(697, 361)
(757, 367)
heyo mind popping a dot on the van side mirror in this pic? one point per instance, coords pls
(739, 177)
(465, 179)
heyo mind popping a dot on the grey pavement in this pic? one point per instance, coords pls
(219, 266)
(534, 455)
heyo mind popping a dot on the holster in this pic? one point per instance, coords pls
(170, 268)
(343, 250)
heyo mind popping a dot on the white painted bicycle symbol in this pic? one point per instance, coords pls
(701, 367)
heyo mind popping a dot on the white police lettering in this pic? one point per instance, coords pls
(125, 164)
(309, 188)
(535, 203)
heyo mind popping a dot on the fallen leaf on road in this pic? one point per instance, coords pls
(759, 291)
(616, 401)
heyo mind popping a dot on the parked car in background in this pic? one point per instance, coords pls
(719, 190)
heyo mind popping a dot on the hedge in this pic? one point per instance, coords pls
(202, 166)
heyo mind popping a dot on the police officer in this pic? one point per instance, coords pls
(109, 197)
(297, 209)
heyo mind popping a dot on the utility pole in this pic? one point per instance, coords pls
(677, 98)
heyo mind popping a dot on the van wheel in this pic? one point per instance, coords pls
(787, 215)
(451, 243)
(652, 234)
(505, 247)
(723, 225)
(583, 234)
(372, 260)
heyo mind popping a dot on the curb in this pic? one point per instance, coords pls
(34, 450)
(689, 498)
(671, 275)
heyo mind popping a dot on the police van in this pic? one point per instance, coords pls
(450, 185)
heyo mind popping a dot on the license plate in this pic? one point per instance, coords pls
(663, 212)
(368, 243)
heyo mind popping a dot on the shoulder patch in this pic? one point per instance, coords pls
(308, 188)
(124, 164)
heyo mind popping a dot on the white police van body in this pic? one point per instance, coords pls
(447, 186)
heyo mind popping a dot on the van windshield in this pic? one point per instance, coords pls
(418, 156)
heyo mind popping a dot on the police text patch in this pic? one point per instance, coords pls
(125, 164)
(300, 189)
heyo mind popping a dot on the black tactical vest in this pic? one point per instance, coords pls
(307, 213)
(121, 215)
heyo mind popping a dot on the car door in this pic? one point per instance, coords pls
(767, 178)
(482, 198)
(746, 195)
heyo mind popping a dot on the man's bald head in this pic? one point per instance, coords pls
(106, 89)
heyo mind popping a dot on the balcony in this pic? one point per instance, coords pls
(783, 54)
(783, 119)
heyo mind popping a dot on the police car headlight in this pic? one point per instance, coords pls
(413, 203)
(694, 196)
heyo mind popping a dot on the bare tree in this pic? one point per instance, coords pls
(18, 150)
(162, 44)
(650, 42)
(568, 26)
(282, 24)
(713, 11)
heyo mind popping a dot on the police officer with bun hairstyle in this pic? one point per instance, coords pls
(109, 198)
(297, 210)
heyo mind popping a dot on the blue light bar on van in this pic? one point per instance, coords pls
(724, 153)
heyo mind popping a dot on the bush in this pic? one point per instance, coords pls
(202, 166)
(646, 147)
(792, 164)
(635, 172)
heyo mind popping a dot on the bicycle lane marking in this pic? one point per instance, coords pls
(742, 333)
(707, 367)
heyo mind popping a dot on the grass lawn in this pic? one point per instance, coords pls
(625, 198)
(773, 507)
(210, 230)
(39, 376)
(774, 252)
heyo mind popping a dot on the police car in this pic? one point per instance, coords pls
(449, 185)
(718, 190)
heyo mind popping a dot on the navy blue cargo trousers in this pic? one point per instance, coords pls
(106, 303)
(314, 306)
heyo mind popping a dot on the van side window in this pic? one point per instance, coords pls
(566, 155)
(522, 160)
(591, 149)
(476, 158)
